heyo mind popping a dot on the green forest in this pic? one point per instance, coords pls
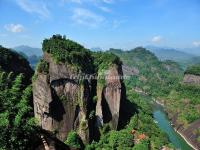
(163, 81)
(160, 80)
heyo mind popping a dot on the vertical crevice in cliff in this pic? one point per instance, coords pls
(107, 115)
(56, 108)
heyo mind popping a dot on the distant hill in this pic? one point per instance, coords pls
(149, 73)
(183, 58)
(194, 50)
(95, 49)
(29, 51)
(169, 53)
(163, 80)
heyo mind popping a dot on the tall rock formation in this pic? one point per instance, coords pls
(64, 99)
(109, 97)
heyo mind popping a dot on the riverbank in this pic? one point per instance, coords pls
(187, 141)
(184, 137)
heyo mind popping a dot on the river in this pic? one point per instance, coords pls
(164, 124)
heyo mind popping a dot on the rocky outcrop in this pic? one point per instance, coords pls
(109, 97)
(60, 103)
(63, 102)
(191, 79)
(190, 134)
(131, 71)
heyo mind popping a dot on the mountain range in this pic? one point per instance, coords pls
(29, 51)
(181, 56)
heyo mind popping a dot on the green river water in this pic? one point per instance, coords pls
(164, 124)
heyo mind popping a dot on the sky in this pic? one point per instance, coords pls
(101, 23)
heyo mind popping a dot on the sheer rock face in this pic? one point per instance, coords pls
(109, 98)
(60, 103)
(191, 79)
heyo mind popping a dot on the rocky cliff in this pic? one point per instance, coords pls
(60, 103)
(191, 79)
(109, 97)
(192, 75)
(64, 100)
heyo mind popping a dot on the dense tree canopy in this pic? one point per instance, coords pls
(17, 126)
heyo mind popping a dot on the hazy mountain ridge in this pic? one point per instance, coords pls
(185, 57)
(181, 56)
(29, 51)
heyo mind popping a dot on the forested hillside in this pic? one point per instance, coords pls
(152, 76)
(164, 82)
(136, 129)
(17, 125)
(19, 129)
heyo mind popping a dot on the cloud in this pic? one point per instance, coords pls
(86, 17)
(108, 1)
(156, 39)
(196, 43)
(34, 6)
(105, 9)
(15, 28)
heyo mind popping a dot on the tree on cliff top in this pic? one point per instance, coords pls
(67, 51)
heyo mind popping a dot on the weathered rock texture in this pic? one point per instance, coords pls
(109, 97)
(191, 79)
(62, 104)
(189, 133)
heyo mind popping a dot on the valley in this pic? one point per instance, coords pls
(99, 75)
(69, 112)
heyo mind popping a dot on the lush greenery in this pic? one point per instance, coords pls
(103, 60)
(11, 61)
(152, 76)
(17, 126)
(195, 70)
(141, 123)
(162, 81)
(73, 140)
(43, 67)
(68, 51)
(184, 100)
(159, 80)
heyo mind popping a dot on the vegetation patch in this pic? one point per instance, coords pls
(68, 51)
(195, 70)
(73, 140)
(43, 67)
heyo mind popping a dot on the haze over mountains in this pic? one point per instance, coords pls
(184, 57)
(29, 51)
(84, 104)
